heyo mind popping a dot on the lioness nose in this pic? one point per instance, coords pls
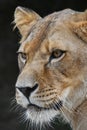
(27, 90)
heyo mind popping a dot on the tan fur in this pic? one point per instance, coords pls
(64, 79)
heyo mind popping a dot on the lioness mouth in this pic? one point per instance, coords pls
(37, 108)
(56, 106)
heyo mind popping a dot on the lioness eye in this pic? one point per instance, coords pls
(22, 56)
(57, 54)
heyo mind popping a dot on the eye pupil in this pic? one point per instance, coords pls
(57, 53)
(23, 55)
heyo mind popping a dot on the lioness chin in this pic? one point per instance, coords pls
(53, 66)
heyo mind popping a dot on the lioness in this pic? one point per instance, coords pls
(53, 66)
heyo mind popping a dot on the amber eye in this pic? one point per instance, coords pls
(23, 56)
(57, 54)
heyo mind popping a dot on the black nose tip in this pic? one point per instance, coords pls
(27, 90)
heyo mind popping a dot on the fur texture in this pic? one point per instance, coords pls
(53, 56)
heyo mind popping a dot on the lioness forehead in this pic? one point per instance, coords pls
(44, 29)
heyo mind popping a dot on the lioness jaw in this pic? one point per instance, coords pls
(52, 60)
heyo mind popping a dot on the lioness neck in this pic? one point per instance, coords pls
(78, 118)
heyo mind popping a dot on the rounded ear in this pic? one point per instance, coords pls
(79, 25)
(24, 19)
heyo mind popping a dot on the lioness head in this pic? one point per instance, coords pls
(52, 62)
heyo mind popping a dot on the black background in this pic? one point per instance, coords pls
(8, 58)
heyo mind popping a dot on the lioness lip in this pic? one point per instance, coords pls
(56, 106)
(31, 106)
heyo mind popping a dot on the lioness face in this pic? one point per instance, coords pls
(52, 63)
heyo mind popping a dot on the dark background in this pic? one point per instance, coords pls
(8, 58)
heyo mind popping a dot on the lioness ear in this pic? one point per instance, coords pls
(24, 19)
(80, 26)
